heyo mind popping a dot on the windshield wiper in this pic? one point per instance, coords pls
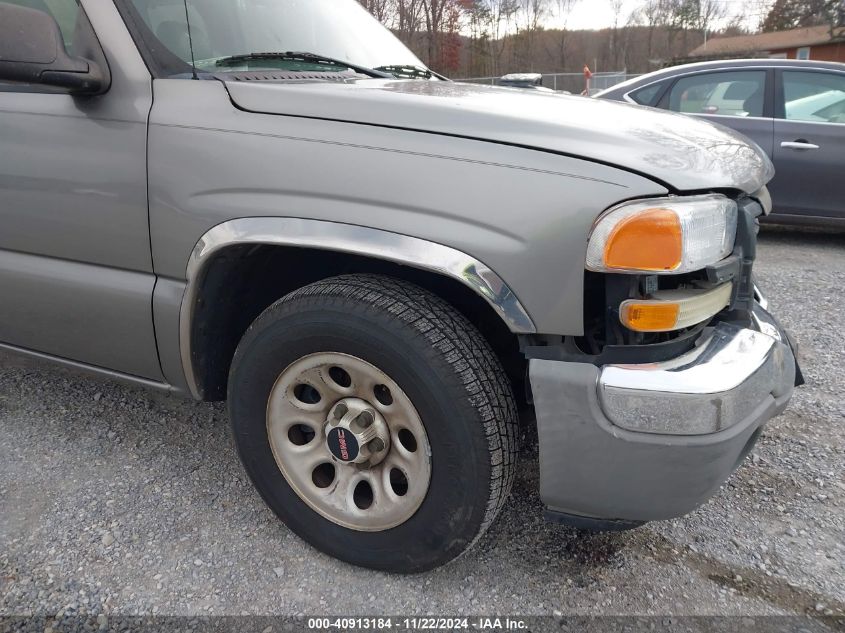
(308, 58)
(409, 71)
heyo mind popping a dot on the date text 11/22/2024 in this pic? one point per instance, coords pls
(418, 624)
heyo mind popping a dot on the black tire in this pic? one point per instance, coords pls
(446, 368)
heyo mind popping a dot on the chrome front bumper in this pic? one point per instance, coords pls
(652, 441)
(710, 388)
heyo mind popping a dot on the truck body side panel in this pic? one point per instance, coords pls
(525, 214)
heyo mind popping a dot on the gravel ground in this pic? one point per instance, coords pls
(117, 500)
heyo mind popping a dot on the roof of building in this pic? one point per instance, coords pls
(777, 40)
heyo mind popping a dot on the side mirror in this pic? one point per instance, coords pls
(32, 50)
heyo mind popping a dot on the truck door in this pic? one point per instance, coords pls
(76, 276)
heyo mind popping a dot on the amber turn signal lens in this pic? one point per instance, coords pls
(650, 240)
(669, 310)
(650, 317)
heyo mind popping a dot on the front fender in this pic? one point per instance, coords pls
(511, 222)
(345, 238)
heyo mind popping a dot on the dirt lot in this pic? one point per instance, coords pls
(117, 500)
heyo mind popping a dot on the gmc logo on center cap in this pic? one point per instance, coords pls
(343, 445)
(344, 448)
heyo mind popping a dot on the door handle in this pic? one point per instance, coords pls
(799, 145)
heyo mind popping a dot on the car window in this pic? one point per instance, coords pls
(733, 93)
(64, 12)
(647, 95)
(167, 20)
(818, 97)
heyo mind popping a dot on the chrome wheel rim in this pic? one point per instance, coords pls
(349, 441)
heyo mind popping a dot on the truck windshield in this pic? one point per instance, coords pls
(225, 29)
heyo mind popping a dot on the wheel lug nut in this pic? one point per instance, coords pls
(377, 445)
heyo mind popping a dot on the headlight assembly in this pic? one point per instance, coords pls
(664, 235)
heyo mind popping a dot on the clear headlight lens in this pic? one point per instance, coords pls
(663, 236)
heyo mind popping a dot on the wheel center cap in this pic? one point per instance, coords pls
(356, 433)
(343, 444)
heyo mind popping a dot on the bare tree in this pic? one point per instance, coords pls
(501, 16)
(476, 26)
(409, 19)
(616, 7)
(442, 23)
(680, 15)
(530, 17)
(563, 9)
(653, 14)
(707, 13)
(465, 38)
(383, 10)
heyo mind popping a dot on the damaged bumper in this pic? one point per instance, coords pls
(630, 443)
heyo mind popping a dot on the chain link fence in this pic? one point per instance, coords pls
(570, 82)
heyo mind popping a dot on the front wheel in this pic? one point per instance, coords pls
(375, 421)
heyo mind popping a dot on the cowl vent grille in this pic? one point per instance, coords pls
(275, 75)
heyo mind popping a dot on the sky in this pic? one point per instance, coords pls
(597, 14)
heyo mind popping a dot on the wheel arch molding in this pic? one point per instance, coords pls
(343, 239)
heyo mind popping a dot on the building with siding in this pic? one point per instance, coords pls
(813, 42)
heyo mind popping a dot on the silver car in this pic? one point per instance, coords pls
(276, 204)
(794, 110)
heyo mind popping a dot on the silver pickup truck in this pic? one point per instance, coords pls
(275, 203)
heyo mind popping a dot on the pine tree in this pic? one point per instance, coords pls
(793, 14)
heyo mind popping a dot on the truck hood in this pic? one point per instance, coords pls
(682, 152)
